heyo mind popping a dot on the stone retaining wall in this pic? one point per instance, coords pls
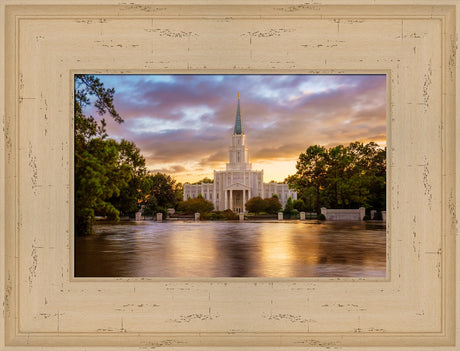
(338, 214)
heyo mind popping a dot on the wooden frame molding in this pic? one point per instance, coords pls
(413, 42)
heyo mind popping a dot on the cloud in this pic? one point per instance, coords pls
(280, 152)
(188, 119)
(173, 169)
(215, 159)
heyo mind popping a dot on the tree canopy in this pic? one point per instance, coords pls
(204, 180)
(198, 204)
(289, 207)
(269, 205)
(256, 205)
(160, 192)
(341, 177)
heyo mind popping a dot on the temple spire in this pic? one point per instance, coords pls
(238, 130)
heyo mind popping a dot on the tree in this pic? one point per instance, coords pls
(299, 205)
(133, 165)
(289, 207)
(341, 177)
(338, 189)
(94, 169)
(163, 189)
(98, 174)
(311, 172)
(256, 205)
(204, 180)
(198, 204)
(150, 207)
(308, 196)
(372, 166)
(273, 205)
(178, 192)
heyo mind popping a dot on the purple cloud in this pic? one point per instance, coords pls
(187, 120)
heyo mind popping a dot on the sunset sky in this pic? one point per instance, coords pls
(183, 123)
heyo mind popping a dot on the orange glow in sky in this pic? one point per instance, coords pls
(183, 123)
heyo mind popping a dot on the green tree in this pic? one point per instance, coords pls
(198, 204)
(178, 192)
(151, 207)
(311, 172)
(98, 174)
(339, 188)
(299, 205)
(273, 205)
(161, 187)
(256, 205)
(341, 177)
(204, 180)
(370, 175)
(308, 196)
(289, 207)
(94, 169)
(133, 165)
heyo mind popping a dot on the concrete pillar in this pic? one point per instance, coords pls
(362, 213)
(280, 216)
(244, 200)
(138, 216)
(226, 201)
(197, 216)
(159, 217)
(373, 212)
(231, 199)
(302, 216)
(324, 211)
(241, 217)
(384, 216)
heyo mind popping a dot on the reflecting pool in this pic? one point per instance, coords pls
(233, 249)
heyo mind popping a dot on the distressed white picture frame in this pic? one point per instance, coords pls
(46, 42)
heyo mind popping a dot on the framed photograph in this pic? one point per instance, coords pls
(47, 304)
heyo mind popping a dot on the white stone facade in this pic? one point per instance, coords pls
(238, 183)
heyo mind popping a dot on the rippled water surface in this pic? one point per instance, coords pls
(233, 249)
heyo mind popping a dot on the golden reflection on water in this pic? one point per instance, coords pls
(233, 249)
(281, 258)
(190, 251)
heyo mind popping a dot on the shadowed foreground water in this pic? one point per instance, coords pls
(232, 249)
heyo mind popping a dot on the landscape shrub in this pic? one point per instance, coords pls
(220, 215)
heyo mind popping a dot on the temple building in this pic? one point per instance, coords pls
(238, 183)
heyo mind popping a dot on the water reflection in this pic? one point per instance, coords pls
(233, 249)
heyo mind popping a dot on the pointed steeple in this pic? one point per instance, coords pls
(238, 130)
